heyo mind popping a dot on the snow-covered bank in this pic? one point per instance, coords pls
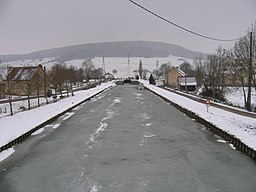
(12, 127)
(243, 128)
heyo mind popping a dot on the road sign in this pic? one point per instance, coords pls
(208, 102)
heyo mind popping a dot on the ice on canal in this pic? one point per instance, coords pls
(126, 140)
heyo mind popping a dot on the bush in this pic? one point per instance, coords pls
(219, 95)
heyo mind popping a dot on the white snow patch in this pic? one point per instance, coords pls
(110, 114)
(97, 133)
(117, 100)
(137, 94)
(38, 131)
(68, 115)
(6, 153)
(144, 116)
(148, 124)
(142, 186)
(232, 146)
(77, 108)
(56, 126)
(93, 186)
(149, 135)
(101, 128)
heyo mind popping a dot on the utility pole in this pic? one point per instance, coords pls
(186, 89)
(45, 91)
(128, 67)
(248, 104)
(157, 65)
(103, 66)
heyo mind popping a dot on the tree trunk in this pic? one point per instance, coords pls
(29, 103)
(245, 99)
(249, 95)
(72, 92)
(10, 103)
(67, 89)
(38, 100)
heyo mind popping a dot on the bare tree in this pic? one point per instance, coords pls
(215, 73)
(88, 67)
(199, 72)
(186, 67)
(57, 78)
(244, 63)
(8, 87)
(97, 73)
(164, 68)
(72, 78)
(65, 77)
(80, 75)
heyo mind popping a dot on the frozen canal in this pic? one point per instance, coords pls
(126, 140)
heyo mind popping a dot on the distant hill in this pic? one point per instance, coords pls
(108, 49)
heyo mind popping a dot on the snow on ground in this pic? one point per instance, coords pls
(18, 106)
(25, 63)
(14, 126)
(235, 96)
(244, 128)
(6, 153)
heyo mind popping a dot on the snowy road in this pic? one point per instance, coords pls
(126, 140)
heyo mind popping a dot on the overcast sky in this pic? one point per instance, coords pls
(32, 25)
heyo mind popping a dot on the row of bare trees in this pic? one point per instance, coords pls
(227, 67)
(62, 77)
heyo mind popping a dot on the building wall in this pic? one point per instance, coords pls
(171, 78)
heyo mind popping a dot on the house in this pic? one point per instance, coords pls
(172, 75)
(27, 81)
(109, 76)
(187, 83)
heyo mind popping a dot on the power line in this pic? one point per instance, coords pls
(180, 27)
